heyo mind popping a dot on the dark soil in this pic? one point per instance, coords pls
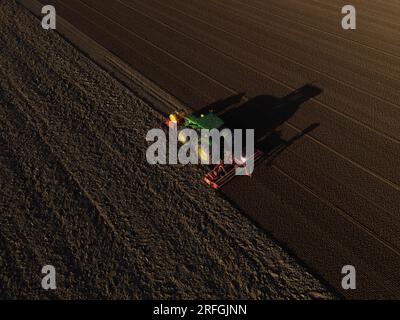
(76, 192)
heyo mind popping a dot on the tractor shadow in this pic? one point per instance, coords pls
(265, 114)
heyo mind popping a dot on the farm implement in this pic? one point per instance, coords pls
(224, 171)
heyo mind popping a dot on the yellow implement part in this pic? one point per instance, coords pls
(177, 117)
(203, 155)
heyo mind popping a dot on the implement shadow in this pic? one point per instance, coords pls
(265, 114)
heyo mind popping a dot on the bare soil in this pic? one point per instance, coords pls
(332, 197)
(76, 192)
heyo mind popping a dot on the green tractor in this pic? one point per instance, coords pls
(208, 122)
(221, 173)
